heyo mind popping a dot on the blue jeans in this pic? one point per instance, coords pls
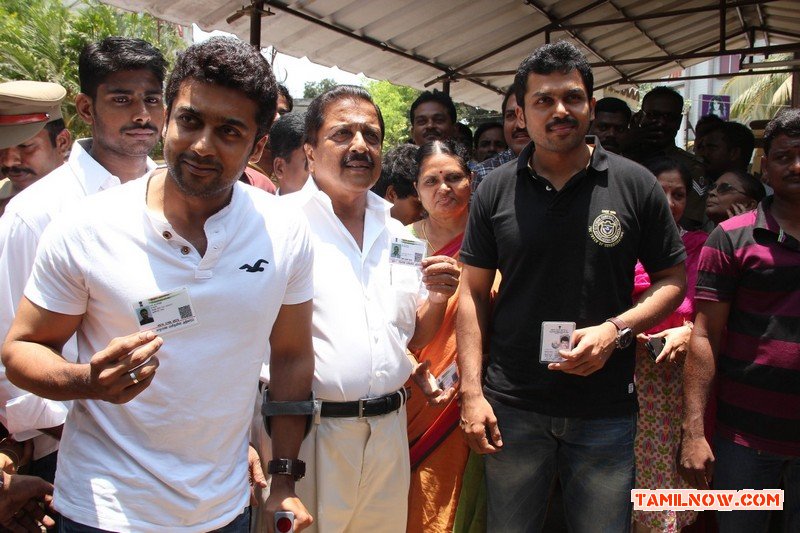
(739, 467)
(240, 524)
(593, 458)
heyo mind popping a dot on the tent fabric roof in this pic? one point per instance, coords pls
(478, 44)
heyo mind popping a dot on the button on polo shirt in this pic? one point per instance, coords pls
(565, 255)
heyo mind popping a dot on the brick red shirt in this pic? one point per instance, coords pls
(751, 263)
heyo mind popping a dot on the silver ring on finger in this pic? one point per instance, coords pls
(134, 377)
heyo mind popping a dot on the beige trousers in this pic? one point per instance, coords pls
(357, 474)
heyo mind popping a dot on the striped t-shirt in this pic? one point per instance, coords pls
(751, 263)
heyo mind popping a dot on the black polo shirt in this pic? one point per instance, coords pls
(566, 255)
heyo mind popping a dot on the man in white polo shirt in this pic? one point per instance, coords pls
(368, 308)
(121, 98)
(157, 438)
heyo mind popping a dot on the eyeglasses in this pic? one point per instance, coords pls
(723, 188)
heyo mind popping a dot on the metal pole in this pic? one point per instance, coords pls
(255, 24)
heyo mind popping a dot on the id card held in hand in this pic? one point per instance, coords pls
(555, 336)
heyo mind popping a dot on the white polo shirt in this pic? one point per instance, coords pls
(175, 457)
(364, 307)
(21, 227)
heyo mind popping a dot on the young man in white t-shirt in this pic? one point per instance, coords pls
(157, 436)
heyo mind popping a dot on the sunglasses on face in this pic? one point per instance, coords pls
(723, 188)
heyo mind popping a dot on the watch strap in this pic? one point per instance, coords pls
(618, 323)
(287, 467)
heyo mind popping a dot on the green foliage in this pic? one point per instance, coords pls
(312, 89)
(760, 96)
(42, 40)
(394, 101)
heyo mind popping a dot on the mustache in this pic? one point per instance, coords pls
(568, 121)
(201, 161)
(16, 170)
(352, 157)
(147, 126)
(519, 130)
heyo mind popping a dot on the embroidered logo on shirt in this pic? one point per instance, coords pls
(255, 268)
(606, 229)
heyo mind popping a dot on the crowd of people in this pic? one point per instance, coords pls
(471, 332)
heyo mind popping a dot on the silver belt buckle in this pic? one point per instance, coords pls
(361, 407)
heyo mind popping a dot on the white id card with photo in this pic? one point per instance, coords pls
(165, 313)
(406, 252)
(449, 377)
(555, 336)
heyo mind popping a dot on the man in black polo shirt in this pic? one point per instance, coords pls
(564, 224)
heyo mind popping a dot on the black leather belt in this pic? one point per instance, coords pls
(381, 405)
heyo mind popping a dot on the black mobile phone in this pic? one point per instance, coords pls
(654, 346)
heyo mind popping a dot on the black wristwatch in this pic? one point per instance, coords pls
(624, 333)
(287, 467)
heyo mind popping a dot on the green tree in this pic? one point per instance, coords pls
(759, 97)
(42, 40)
(312, 89)
(394, 101)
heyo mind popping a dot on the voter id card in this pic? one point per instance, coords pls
(406, 252)
(165, 313)
(449, 377)
(555, 336)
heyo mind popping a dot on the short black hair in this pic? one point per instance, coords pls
(753, 188)
(398, 170)
(287, 134)
(434, 96)
(661, 164)
(739, 135)
(446, 147)
(100, 59)
(231, 63)
(284, 91)
(560, 57)
(512, 89)
(609, 104)
(315, 114)
(706, 124)
(464, 132)
(786, 122)
(53, 129)
(669, 92)
(483, 128)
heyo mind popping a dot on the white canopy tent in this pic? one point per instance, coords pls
(472, 47)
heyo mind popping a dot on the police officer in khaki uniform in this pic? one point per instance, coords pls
(33, 135)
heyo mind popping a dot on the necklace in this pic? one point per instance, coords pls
(425, 235)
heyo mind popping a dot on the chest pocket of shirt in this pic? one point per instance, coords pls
(404, 290)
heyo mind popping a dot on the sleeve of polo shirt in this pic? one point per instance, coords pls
(660, 246)
(717, 270)
(300, 287)
(479, 248)
(58, 281)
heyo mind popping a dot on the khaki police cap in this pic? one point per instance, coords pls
(25, 108)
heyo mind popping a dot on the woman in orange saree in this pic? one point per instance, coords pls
(437, 449)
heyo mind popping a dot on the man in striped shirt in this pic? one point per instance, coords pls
(747, 334)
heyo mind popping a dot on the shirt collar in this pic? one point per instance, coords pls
(767, 227)
(92, 175)
(311, 191)
(598, 161)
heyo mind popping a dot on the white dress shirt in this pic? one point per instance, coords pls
(364, 306)
(21, 227)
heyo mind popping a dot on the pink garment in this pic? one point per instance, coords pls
(693, 241)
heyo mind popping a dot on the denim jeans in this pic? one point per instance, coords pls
(739, 467)
(240, 524)
(594, 460)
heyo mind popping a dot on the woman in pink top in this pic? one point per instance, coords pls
(658, 379)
